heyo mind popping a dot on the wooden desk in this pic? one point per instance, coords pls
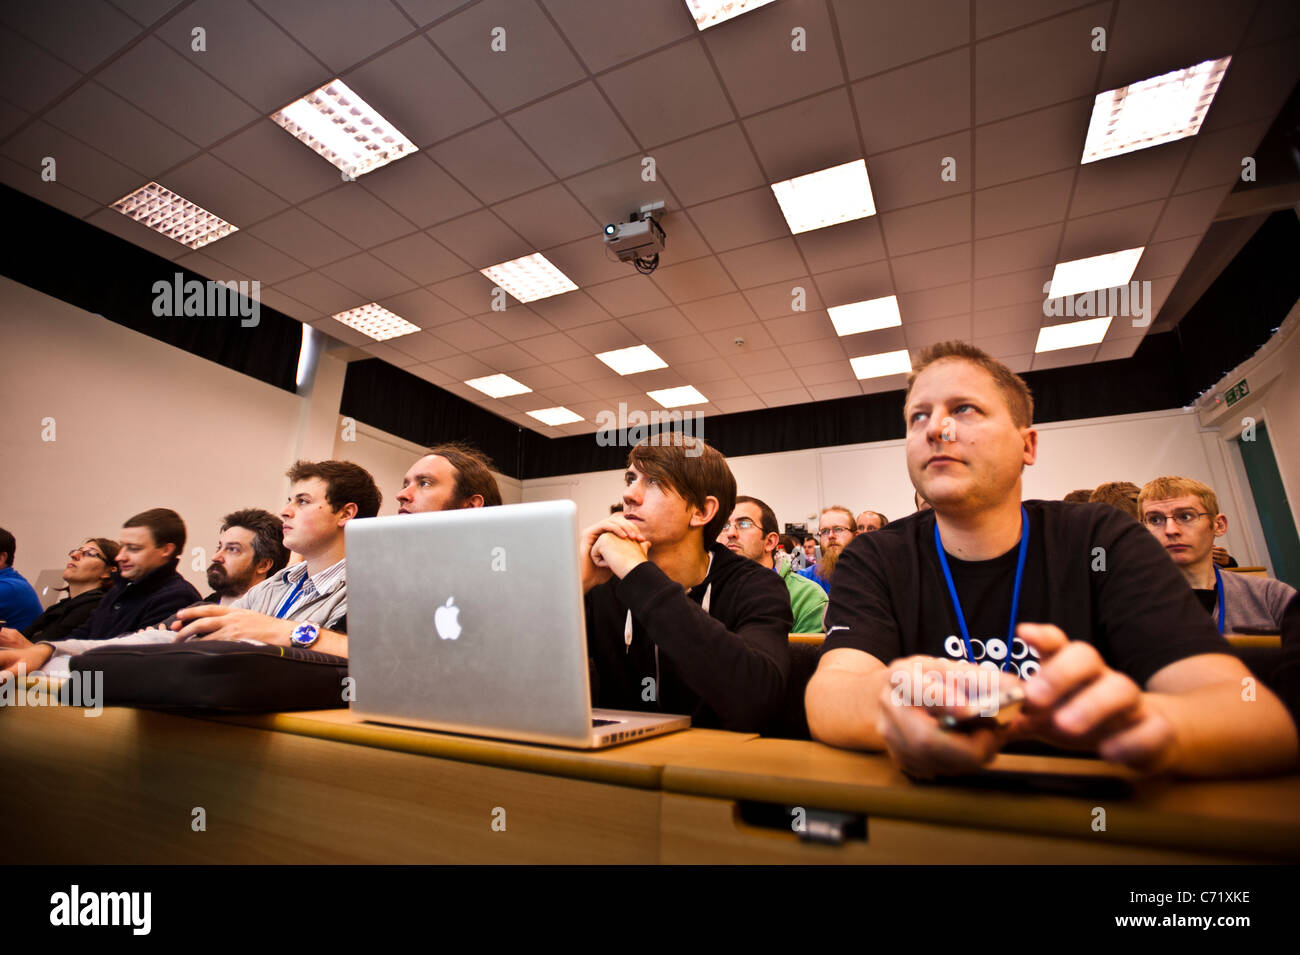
(325, 787)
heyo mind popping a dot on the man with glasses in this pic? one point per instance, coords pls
(752, 531)
(838, 527)
(1183, 515)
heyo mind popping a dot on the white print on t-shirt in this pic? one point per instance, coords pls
(992, 654)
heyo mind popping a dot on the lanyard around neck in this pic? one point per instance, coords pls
(1015, 593)
(293, 595)
(1218, 596)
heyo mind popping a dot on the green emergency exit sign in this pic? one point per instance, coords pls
(1237, 392)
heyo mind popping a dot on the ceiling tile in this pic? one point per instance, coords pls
(1117, 349)
(917, 102)
(740, 220)
(462, 368)
(1057, 133)
(929, 269)
(721, 311)
(628, 296)
(1189, 214)
(750, 362)
(1009, 318)
(922, 227)
(813, 353)
(548, 217)
(431, 374)
(842, 245)
(492, 162)
(80, 33)
(394, 356)
(804, 327)
(421, 307)
(570, 310)
(756, 265)
(877, 386)
(1166, 258)
(26, 179)
(424, 346)
(357, 214)
(555, 347)
(212, 184)
(758, 61)
(516, 322)
(696, 279)
(337, 330)
(573, 131)
(754, 337)
(115, 127)
(418, 92)
(544, 378)
(1018, 342)
(421, 189)
(253, 257)
(420, 258)
(855, 284)
(1157, 36)
(506, 358)
(321, 293)
(471, 293)
(935, 303)
(922, 334)
(1128, 179)
(830, 373)
(612, 192)
(469, 334)
(779, 300)
(914, 174)
(302, 237)
(877, 37)
(1016, 288)
(534, 62)
(1063, 357)
(1022, 205)
(814, 133)
(600, 34)
(368, 277)
(998, 16)
(706, 370)
(1038, 65)
(132, 231)
(567, 395)
(1017, 251)
(31, 77)
(731, 387)
(686, 350)
(271, 157)
(481, 239)
(656, 326)
(174, 91)
(604, 336)
(1109, 231)
(339, 34)
(788, 396)
(841, 389)
(737, 405)
(77, 166)
(1255, 86)
(1216, 157)
(687, 96)
(709, 165)
(873, 343)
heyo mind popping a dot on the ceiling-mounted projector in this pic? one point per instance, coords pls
(640, 239)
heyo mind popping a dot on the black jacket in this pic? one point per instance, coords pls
(727, 669)
(61, 618)
(133, 605)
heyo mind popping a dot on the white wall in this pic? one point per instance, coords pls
(1072, 454)
(137, 424)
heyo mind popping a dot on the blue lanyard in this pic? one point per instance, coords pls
(293, 595)
(1218, 594)
(1015, 593)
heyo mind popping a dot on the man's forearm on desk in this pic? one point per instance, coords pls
(842, 706)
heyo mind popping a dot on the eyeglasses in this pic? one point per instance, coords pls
(837, 530)
(1181, 518)
(86, 552)
(743, 524)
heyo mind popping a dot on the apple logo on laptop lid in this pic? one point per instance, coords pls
(445, 620)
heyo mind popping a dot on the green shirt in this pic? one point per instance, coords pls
(807, 599)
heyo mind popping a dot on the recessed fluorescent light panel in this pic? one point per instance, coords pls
(866, 316)
(824, 198)
(628, 361)
(174, 216)
(885, 363)
(1072, 334)
(377, 322)
(1159, 110)
(555, 416)
(529, 278)
(1098, 271)
(345, 129)
(708, 13)
(677, 397)
(499, 386)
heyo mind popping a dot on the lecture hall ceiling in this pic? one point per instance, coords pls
(536, 147)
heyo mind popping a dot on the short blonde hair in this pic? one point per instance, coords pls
(1164, 488)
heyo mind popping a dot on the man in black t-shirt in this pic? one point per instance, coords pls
(675, 621)
(1115, 654)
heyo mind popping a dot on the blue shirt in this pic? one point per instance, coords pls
(19, 605)
(811, 574)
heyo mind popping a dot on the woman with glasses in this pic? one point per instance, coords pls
(89, 575)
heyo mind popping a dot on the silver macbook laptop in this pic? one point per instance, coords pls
(471, 621)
